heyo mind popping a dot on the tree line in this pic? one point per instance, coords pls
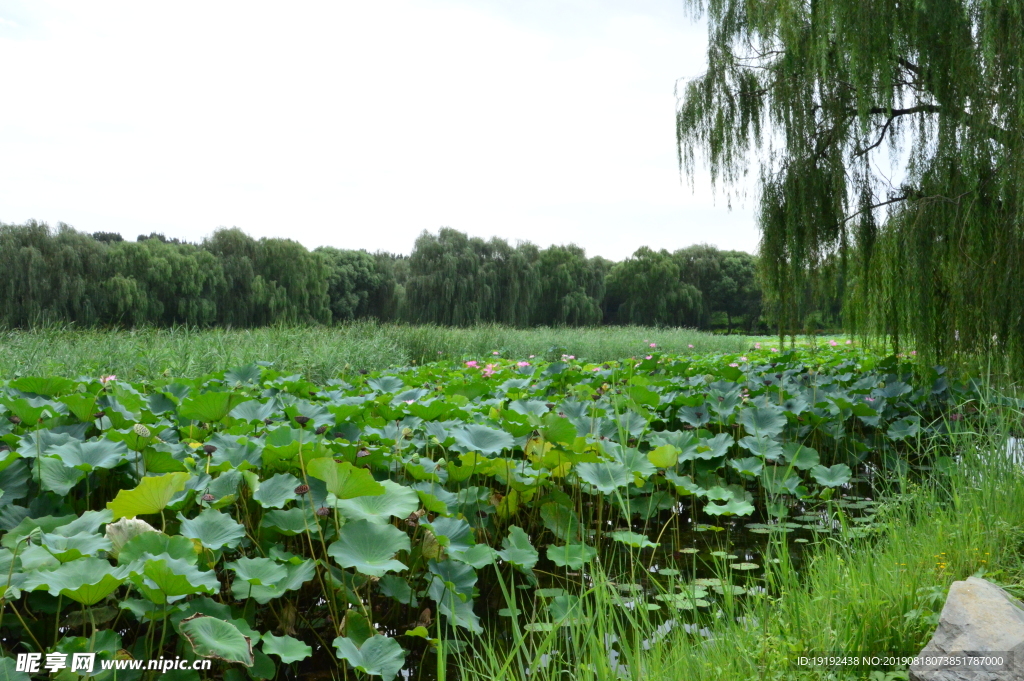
(61, 275)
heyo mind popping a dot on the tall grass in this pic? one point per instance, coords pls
(320, 353)
(880, 595)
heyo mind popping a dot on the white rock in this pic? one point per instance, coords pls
(978, 619)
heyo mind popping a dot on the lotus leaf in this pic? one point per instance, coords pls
(369, 548)
(216, 638)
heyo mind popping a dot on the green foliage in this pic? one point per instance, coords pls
(345, 526)
(451, 279)
(841, 95)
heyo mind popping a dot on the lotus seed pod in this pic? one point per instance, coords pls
(321, 430)
(302, 421)
(209, 449)
(323, 511)
(141, 430)
(301, 489)
(708, 378)
(208, 498)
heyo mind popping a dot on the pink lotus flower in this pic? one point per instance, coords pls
(869, 399)
(472, 364)
(913, 352)
(849, 342)
(775, 349)
(654, 345)
(522, 364)
(495, 352)
(833, 343)
(489, 370)
(690, 346)
(648, 357)
(409, 401)
(734, 364)
(107, 379)
(532, 356)
(757, 346)
(743, 359)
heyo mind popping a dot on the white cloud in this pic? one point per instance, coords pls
(358, 124)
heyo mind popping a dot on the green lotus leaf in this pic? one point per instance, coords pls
(565, 609)
(209, 407)
(88, 456)
(765, 447)
(298, 574)
(518, 550)
(461, 614)
(386, 384)
(555, 428)
(694, 416)
(151, 496)
(483, 439)
(47, 523)
(732, 507)
(250, 373)
(398, 501)
(156, 543)
(253, 410)
(344, 480)
(561, 520)
(82, 405)
(800, 456)
(664, 456)
(66, 549)
(750, 465)
(57, 477)
(216, 638)
(86, 580)
(378, 656)
(632, 539)
(450, 579)
(530, 407)
(606, 476)
(708, 448)
(9, 670)
(398, 588)
(285, 647)
(833, 476)
(369, 548)
(573, 556)
(213, 529)
(478, 556)
(277, 491)
(163, 579)
(766, 422)
(904, 428)
(292, 521)
(257, 572)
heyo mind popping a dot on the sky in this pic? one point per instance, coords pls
(358, 124)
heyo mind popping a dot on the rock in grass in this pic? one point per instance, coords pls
(979, 619)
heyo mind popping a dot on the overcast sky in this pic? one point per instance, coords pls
(357, 124)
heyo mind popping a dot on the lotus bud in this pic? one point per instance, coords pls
(302, 489)
(141, 430)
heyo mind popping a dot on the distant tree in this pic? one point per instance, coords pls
(647, 288)
(107, 237)
(571, 287)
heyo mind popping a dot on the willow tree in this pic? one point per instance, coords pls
(887, 138)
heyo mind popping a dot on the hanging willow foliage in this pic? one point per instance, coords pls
(890, 140)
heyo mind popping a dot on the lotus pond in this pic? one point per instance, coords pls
(287, 529)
